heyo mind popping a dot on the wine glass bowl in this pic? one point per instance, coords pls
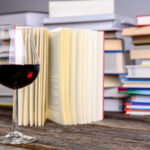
(19, 67)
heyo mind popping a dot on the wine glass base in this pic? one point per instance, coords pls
(16, 138)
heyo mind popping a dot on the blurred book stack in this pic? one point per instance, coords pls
(23, 12)
(138, 105)
(115, 61)
(137, 81)
(26, 14)
(80, 14)
(5, 93)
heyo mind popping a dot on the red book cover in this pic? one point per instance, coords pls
(103, 70)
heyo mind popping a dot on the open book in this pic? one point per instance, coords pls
(69, 88)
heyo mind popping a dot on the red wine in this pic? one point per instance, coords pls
(17, 76)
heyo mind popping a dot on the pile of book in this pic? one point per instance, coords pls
(115, 61)
(80, 14)
(6, 94)
(138, 105)
(137, 82)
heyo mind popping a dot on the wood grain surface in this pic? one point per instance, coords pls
(116, 132)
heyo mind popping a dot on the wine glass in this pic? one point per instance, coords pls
(19, 66)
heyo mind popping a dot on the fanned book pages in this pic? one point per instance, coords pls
(76, 76)
(69, 88)
(32, 99)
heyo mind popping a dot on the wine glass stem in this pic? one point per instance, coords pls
(15, 112)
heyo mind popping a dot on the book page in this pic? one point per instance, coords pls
(95, 76)
(89, 73)
(55, 104)
(48, 76)
(21, 95)
(67, 75)
(26, 89)
(40, 85)
(73, 51)
(63, 74)
(100, 76)
(37, 39)
(31, 86)
(79, 77)
(45, 66)
(84, 76)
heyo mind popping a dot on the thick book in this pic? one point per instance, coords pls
(69, 88)
(136, 71)
(6, 101)
(141, 40)
(142, 47)
(145, 62)
(113, 44)
(136, 31)
(140, 98)
(135, 82)
(134, 90)
(142, 104)
(22, 18)
(110, 35)
(109, 25)
(140, 54)
(111, 81)
(113, 105)
(76, 78)
(115, 62)
(90, 18)
(113, 93)
(80, 8)
(136, 113)
(85, 7)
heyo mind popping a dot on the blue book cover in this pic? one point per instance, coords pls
(114, 51)
(114, 73)
(140, 103)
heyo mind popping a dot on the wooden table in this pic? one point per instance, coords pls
(116, 132)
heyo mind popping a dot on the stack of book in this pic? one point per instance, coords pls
(22, 15)
(138, 105)
(115, 61)
(137, 82)
(80, 14)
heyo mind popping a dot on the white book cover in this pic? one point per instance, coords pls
(113, 105)
(136, 71)
(90, 18)
(26, 18)
(78, 8)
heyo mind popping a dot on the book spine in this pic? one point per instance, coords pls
(114, 51)
(140, 103)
